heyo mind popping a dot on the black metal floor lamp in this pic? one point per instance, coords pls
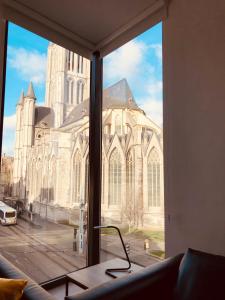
(109, 271)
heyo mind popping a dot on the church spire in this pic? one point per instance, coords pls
(21, 98)
(30, 92)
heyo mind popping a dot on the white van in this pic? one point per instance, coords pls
(8, 215)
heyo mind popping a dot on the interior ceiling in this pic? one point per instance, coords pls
(93, 20)
(92, 25)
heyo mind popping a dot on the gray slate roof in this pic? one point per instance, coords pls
(44, 116)
(118, 95)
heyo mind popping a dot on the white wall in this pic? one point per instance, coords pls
(194, 125)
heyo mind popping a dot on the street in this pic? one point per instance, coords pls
(45, 251)
(42, 253)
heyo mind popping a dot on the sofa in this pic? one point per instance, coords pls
(193, 276)
(32, 290)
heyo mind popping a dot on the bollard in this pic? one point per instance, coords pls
(75, 239)
(74, 245)
(127, 246)
(146, 245)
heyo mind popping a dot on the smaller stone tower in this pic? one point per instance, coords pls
(25, 119)
(17, 160)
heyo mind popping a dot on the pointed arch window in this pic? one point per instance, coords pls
(153, 173)
(115, 177)
(80, 62)
(72, 61)
(77, 177)
(71, 91)
(45, 181)
(39, 179)
(130, 177)
(86, 179)
(52, 185)
(33, 178)
(80, 91)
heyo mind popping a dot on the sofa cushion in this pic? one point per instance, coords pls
(11, 289)
(201, 277)
(32, 290)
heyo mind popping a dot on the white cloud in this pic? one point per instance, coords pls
(153, 109)
(9, 128)
(152, 102)
(154, 89)
(158, 51)
(125, 62)
(30, 65)
(132, 62)
(9, 122)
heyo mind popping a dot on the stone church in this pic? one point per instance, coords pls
(50, 169)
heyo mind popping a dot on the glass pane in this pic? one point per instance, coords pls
(132, 170)
(45, 157)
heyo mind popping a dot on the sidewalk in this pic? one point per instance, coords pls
(137, 254)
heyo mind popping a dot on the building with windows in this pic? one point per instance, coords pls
(51, 151)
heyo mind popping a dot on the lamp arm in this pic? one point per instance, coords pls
(108, 271)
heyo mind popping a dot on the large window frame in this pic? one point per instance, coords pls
(95, 140)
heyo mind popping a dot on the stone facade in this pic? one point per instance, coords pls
(6, 176)
(51, 150)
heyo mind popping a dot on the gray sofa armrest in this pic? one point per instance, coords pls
(157, 281)
(32, 290)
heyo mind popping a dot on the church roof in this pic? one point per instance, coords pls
(44, 116)
(117, 96)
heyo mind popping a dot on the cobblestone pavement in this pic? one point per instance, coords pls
(44, 250)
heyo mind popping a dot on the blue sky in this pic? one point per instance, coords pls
(139, 61)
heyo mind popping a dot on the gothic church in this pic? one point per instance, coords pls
(50, 169)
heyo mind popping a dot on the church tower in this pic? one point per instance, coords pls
(67, 82)
(17, 149)
(25, 115)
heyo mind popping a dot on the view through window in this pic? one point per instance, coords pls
(132, 155)
(45, 155)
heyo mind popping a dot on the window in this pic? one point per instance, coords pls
(71, 92)
(80, 91)
(130, 194)
(132, 191)
(79, 64)
(115, 177)
(32, 179)
(153, 179)
(46, 174)
(86, 179)
(77, 175)
(38, 179)
(52, 179)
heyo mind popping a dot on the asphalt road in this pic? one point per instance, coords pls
(43, 252)
(46, 251)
